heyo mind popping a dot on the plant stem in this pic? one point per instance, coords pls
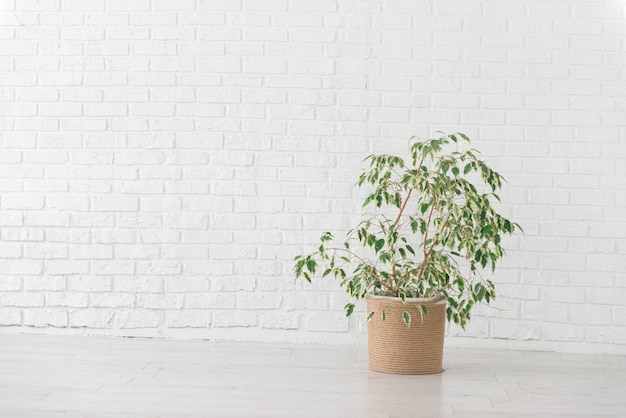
(406, 200)
(432, 247)
(430, 216)
(395, 224)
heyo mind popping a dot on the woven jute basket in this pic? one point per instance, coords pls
(394, 347)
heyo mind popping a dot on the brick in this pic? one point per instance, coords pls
(24, 201)
(112, 300)
(47, 252)
(39, 5)
(92, 318)
(215, 268)
(590, 315)
(159, 267)
(563, 332)
(13, 48)
(91, 252)
(189, 319)
(186, 284)
(157, 236)
(266, 5)
(45, 219)
(138, 285)
(309, 301)
(318, 6)
(92, 219)
(66, 267)
(209, 301)
(205, 47)
(498, 8)
(10, 251)
(122, 5)
(260, 301)
(10, 316)
(160, 301)
(84, 124)
(265, 65)
(219, 34)
(29, 235)
(67, 299)
(209, 18)
(110, 236)
(327, 322)
(22, 299)
(115, 203)
(41, 318)
(282, 321)
(78, 5)
(12, 266)
(179, 5)
(109, 19)
(266, 34)
(235, 319)
(515, 329)
(112, 268)
(11, 283)
(538, 311)
(154, 18)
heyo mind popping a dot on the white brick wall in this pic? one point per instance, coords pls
(162, 162)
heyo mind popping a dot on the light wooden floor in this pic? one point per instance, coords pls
(43, 376)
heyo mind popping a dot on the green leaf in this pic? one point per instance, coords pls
(379, 244)
(384, 315)
(370, 316)
(310, 265)
(349, 309)
(406, 316)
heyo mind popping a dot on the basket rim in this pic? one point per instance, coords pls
(434, 299)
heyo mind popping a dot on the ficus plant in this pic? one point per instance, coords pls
(428, 229)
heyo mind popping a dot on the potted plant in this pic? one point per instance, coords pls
(418, 252)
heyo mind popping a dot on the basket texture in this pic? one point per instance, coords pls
(394, 347)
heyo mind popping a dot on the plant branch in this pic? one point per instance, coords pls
(406, 200)
(366, 262)
(432, 247)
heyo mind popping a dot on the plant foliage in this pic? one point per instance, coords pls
(428, 229)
